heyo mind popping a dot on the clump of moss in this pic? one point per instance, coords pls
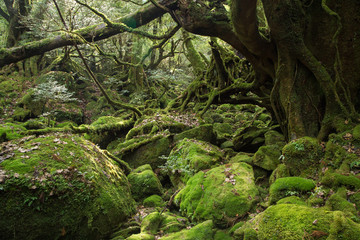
(221, 194)
(204, 133)
(267, 157)
(337, 203)
(335, 180)
(153, 201)
(302, 156)
(10, 131)
(61, 186)
(293, 221)
(283, 187)
(144, 182)
(280, 172)
(188, 157)
(201, 231)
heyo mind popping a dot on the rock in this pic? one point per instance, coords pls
(223, 131)
(144, 182)
(203, 132)
(302, 156)
(267, 157)
(273, 137)
(153, 201)
(283, 187)
(293, 221)
(190, 156)
(249, 139)
(220, 194)
(201, 231)
(61, 186)
(242, 157)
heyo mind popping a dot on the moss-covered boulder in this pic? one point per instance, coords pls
(172, 223)
(144, 182)
(287, 186)
(190, 156)
(204, 133)
(223, 131)
(11, 131)
(302, 156)
(33, 105)
(220, 194)
(144, 150)
(297, 222)
(201, 231)
(273, 137)
(267, 157)
(280, 172)
(60, 186)
(153, 201)
(249, 139)
(332, 179)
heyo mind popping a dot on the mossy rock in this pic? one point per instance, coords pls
(204, 133)
(292, 200)
(11, 131)
(34, 124)
(172, 223)
(302, 156)
(223, 131)
(242, 157)
(151, 222)
(21, 115)
(203, 230)
(283, 187)
(280, 172)
(31, 104)
(220, 194)
(331, 179)
(145, 151)
(61, 186)
(267, 157)
(144, 182)
(72, 113)
(249, 139)
(190, 156)
(273, 137)
(356, 132)
(141, 236)
(297, 222)
(337, 203)
(153, 201)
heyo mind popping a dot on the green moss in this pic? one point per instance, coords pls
(242, 157)
(172, 223)
(274, 138)
(337, 203)
(302, 156)
(61, 185)
(222, 235)
(296, 222)
(33, 106)
(190, 156)
(355, 199)
(267, 157)
(280, 172)
(335, 179)
(34, 124)
(221, 194)
(11, 131)
(291, 200)
(283, 187)
(153, 201)
(356, 132)
(141, 236)
(151, 222)
(223, 131)
(201, 231)
(21, 115)
(203, 132)
(144, 182)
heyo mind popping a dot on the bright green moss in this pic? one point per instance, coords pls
(201, 231)
(297, 222)
(280, 172)
(283, 187)
(220, 194)
(153, 201)
(141, 236)
(61, 185)
(291, 200)
(335, 179)
(151, 222)
(222, 235)
(11, 131)
(172, 223)
(144, 182)
(338, 203)
(302, 156)
(267, 157)
(273, 137)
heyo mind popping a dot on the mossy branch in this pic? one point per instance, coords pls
(104, 128)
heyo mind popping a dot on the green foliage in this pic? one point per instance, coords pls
(176, 164)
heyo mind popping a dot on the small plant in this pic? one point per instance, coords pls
(176, 164)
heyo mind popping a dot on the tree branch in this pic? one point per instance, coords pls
(91, 33)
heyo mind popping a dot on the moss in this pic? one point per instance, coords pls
(141, 236)
(223, 131)
(172, 223)
(203, 132)
(11, 131)
(291, 200)
(144, 183)
(222, 235)
(356, 132)
(250, 234)
(267, 157)
(34, 124)
(151, 222)
(289, 185)
(337, 203)
(33, 106)
(280, 172)
(355, 199)
(201, 231)
(144, 150)
(153, 201)
(334, 179)
(61, 185)
(302, 156)
(21, 115)
(249, 139)
(273, 137)
(242, 157)
(221, 194)
(190, 156)
(296, 222)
